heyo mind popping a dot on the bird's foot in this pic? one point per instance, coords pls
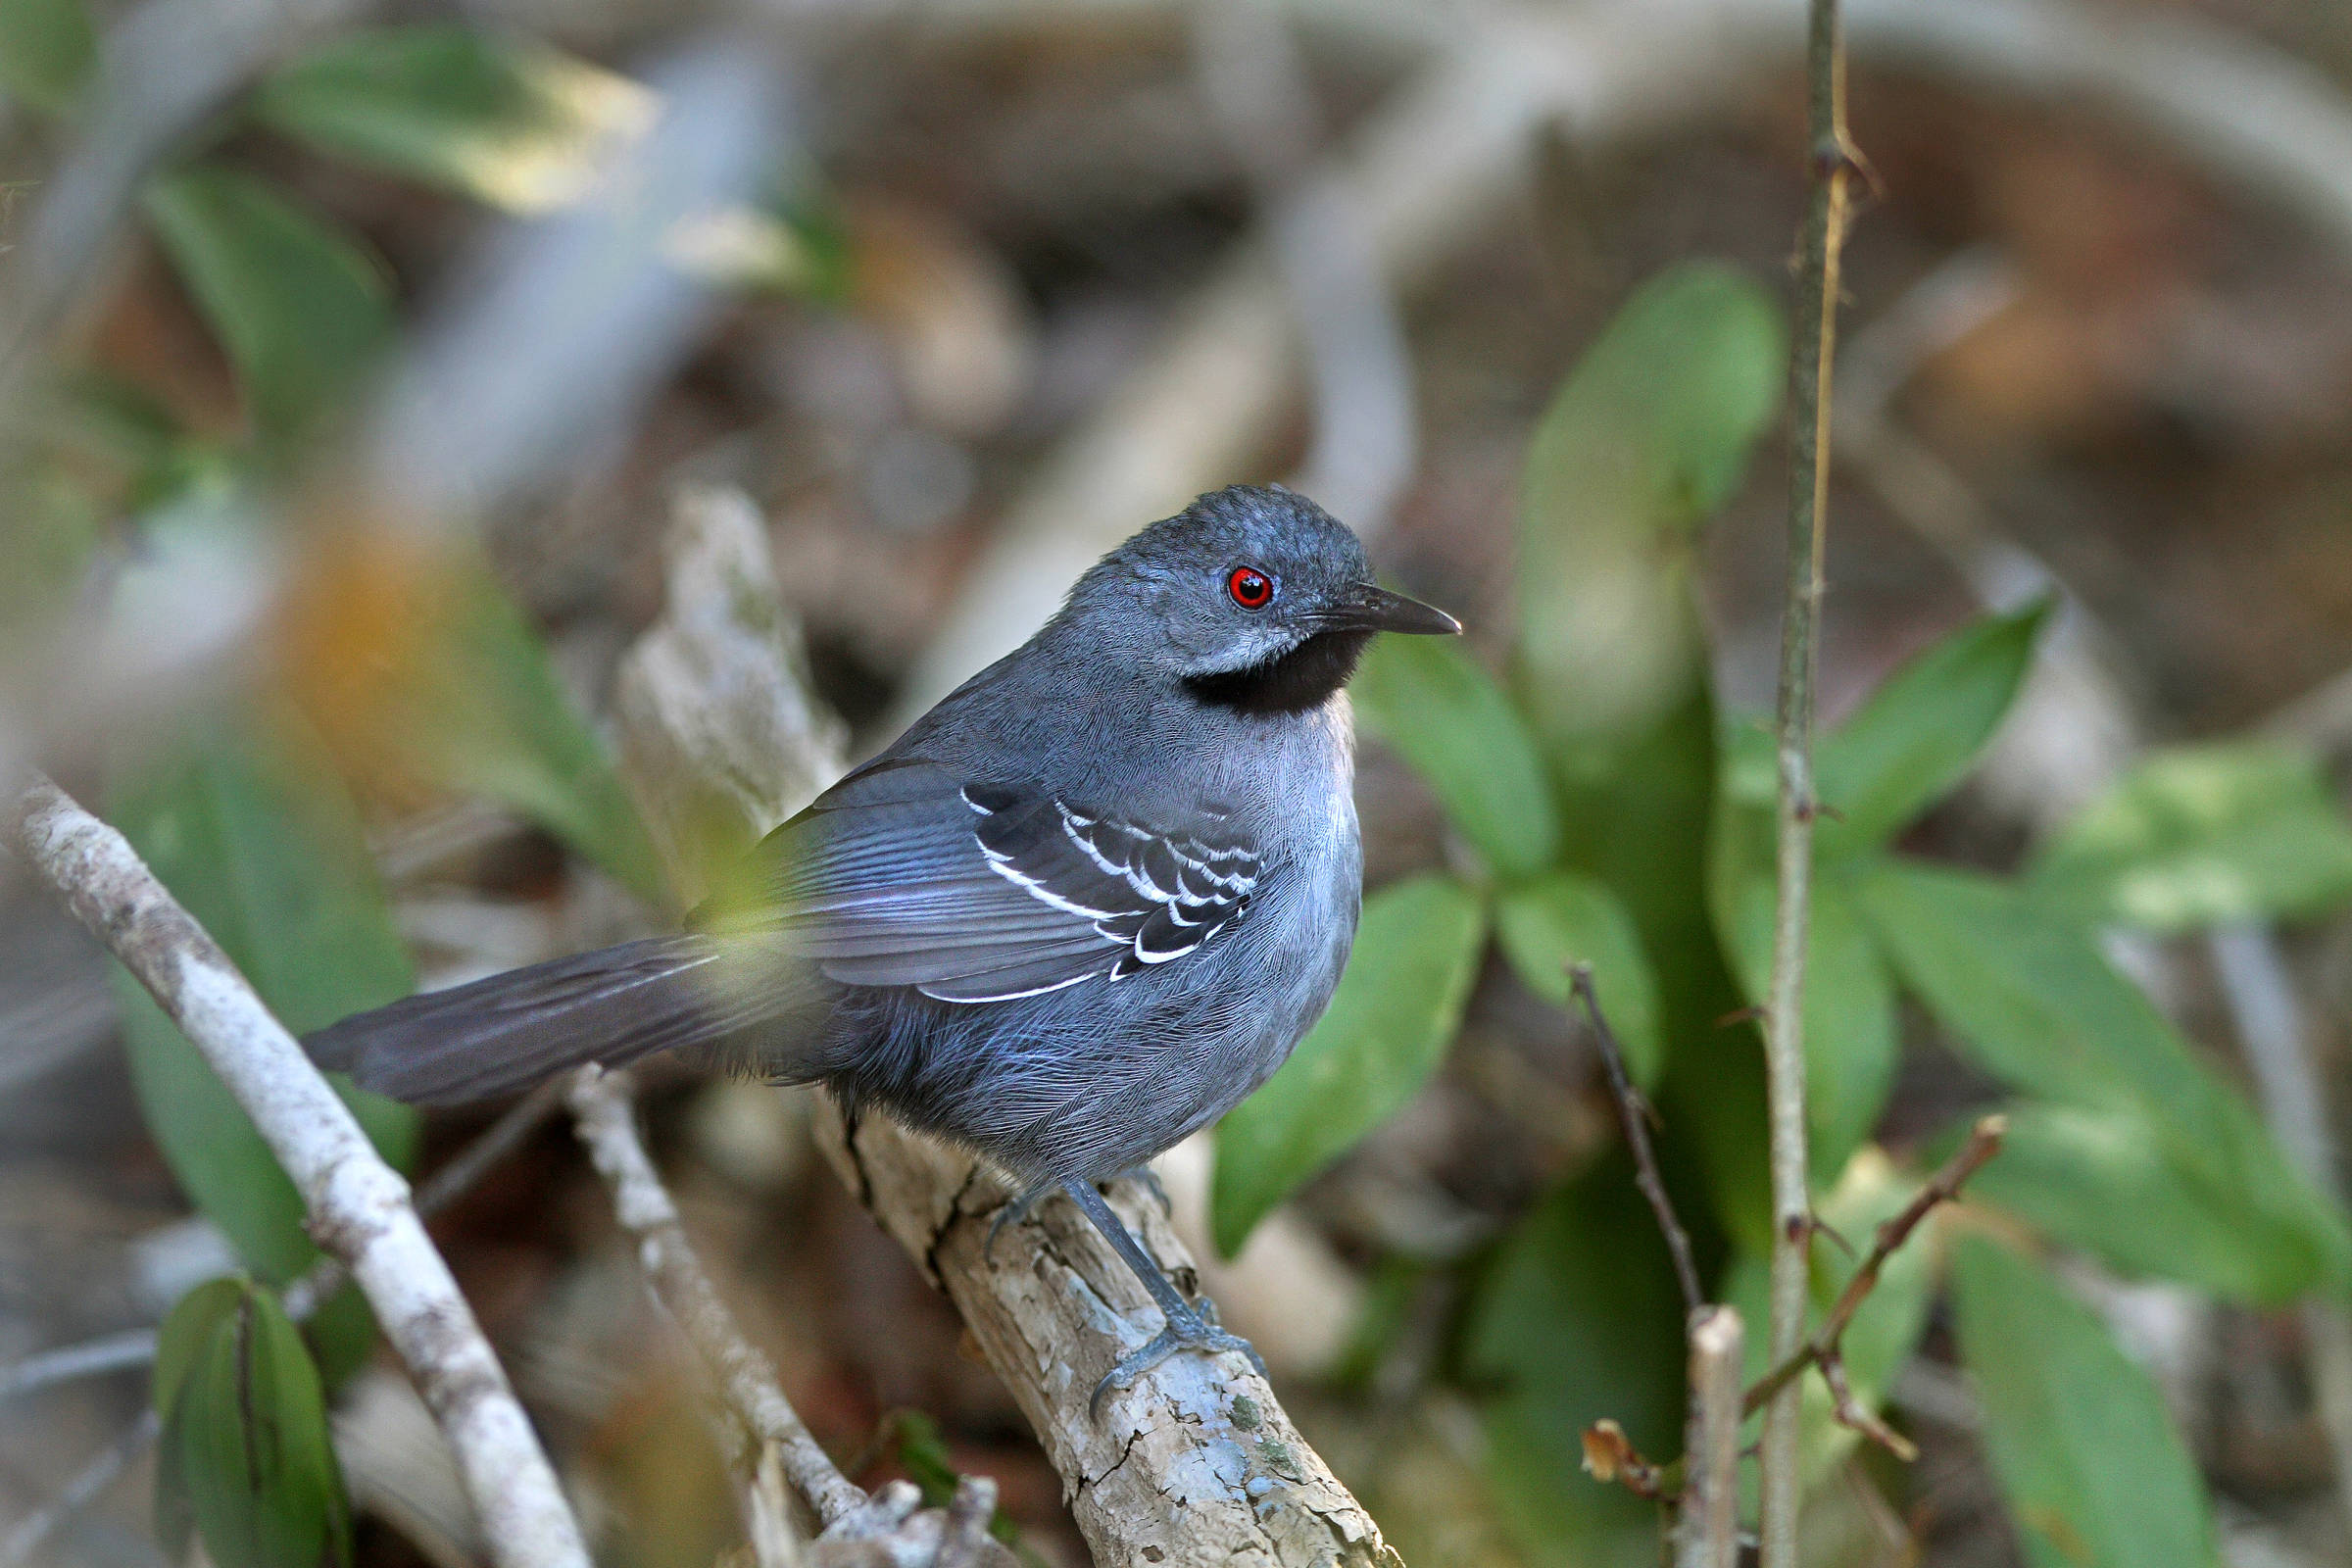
(1015, 1209)
(1149, 1180)
(1188, 1330)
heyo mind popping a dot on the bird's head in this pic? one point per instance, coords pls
(1255, 598)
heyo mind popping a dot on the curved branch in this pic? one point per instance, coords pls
(359, 1206)
(1197, 1464)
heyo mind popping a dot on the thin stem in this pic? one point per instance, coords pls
(1808, 500)
(1633, 1112)
(604, 1113)
(1707, 1535)
(1825, 1348)
(135, 1348)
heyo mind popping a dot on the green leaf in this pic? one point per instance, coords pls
(1429, 699)
(1566, 918)
(2107, 1182)
(2032, 1000)
(186, 1333)
(1886, 1328)
(1579, 1319)
(504, 121)
(2202, 835)
(2087, 1456)
(1921, 731)
(481, 711)
(246, 1455)
(298, 301)
(47, 51)
(1637, 815)
(1648, 435)
(1385, 1032)
(248, 827)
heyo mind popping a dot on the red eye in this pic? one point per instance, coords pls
(1250, 588)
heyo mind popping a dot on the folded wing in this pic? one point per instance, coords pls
(976, 890)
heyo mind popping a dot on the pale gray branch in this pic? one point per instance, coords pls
(1707, 1533)
(359, 1207)
(604, 1113)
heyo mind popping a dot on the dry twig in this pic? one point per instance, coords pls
(1611, 1458)
(1707, 1533)
(359, 1207)
(1824, 1348)
(89, 1482)
(1633, 1113)
(1812, 353)
(604, 1113)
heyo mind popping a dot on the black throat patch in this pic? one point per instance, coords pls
(1288, 683)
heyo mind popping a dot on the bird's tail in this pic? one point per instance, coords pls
(511, 1031)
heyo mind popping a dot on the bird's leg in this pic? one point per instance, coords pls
(1018, 1207)
(1188, 1328)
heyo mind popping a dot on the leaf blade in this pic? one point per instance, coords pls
(2202, 835)
(1650, 433)
(1386, 1029)
(244, 820)
(249, 1462)
(1565, 918)
(48, 50)
(504, 121)
(2081, 1443)
(300, 304)
(1428, 698)
(1922, 730)
(2030, 997)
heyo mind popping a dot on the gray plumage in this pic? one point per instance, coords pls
(1077, 912)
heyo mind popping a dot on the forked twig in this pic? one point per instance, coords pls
(1825, 1349)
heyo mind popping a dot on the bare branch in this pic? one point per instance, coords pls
(1824, 1348)
(1634, 1114)
(606, 1116)
(1812, 353)
(1198, 1463)
(1707, 1535)
(359, 1207)
(111, 1353)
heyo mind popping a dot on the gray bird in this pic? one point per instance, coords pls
(1079, 910)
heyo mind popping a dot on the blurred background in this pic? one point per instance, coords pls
(404, 403)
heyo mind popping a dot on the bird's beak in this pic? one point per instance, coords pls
(1369, 608)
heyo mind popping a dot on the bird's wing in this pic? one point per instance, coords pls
(970, 890)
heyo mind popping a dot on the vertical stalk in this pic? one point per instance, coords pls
(1707, 1535)
(1815, 339)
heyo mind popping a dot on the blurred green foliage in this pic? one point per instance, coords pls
(425, 666)
(1611, 816)
(246, 822)
(245, 1462)
(2079, 1436)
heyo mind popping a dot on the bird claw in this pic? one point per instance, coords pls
(1015, 1210)
(1149, 1180)
(1199, 1332)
